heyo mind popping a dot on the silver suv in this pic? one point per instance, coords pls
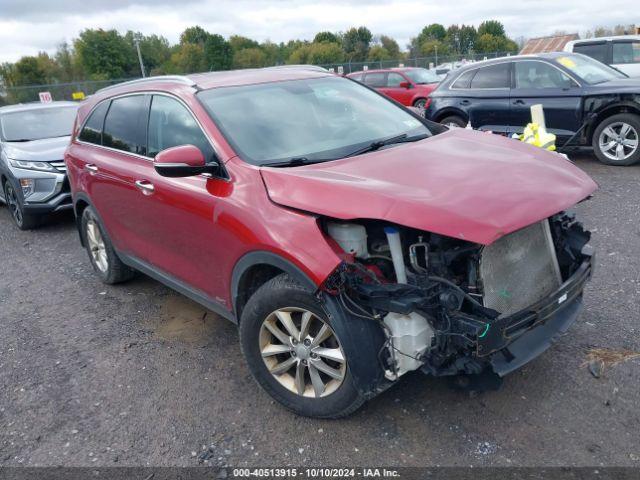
(33, 176)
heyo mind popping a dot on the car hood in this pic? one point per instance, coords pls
(463, 184)
(45, 150)
(620, 85)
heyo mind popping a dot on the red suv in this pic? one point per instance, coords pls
(351, 240)
(409, 86)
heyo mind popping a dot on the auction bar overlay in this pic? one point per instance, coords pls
(213, 473)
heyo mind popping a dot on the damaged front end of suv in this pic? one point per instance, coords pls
(449, 306)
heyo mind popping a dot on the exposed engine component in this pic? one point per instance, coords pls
(395, 246)
(351, 237)
(410, 337)
(446, 304)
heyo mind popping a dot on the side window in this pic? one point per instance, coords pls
(597, 51)
(530, 74)
(125, 126)
(464, 80)
(494, 76)
(92, 130)
(394, 80)
(626, 52)
(171, 124)
(375, 80)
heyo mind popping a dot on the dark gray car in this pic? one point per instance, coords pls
(33, 179)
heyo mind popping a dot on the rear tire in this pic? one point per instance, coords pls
(22, 219)
(102, 255)
(454, 121)
(326, 392)
(616, 140)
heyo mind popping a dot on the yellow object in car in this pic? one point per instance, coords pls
(534, 135)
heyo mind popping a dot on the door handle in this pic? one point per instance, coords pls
(145, 187)
(465, 102)
(91, 168)
(518, 102)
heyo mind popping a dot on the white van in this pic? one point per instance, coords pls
(621, 52)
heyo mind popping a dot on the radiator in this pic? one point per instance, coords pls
(519, 269)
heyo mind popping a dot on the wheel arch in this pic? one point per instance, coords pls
(254, 269)
(449, 111)
(609, 111)
(80, 203)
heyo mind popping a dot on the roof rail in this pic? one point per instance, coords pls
(159, 78)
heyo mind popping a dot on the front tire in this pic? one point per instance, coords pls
(420, 103)
(616, 140)
(294, 354)
(103, 257)
(23, 220)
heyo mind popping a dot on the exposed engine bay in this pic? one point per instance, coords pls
(447, 305)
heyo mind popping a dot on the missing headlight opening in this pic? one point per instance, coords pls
(449, 306)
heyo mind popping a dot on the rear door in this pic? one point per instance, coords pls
(486, 101)
(626, 56)
(377, 80)
(114, 169)
(539, 82)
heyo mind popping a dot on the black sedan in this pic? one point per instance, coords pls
(586, 103)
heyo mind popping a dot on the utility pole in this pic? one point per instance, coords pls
(136, 40)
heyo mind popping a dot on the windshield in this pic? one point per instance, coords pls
(37, 123)
(422, 75)
(318, 119)
(590, 70)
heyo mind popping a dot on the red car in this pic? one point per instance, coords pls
(409, 86)
(351, 240)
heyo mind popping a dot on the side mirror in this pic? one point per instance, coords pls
(406, 85)
(182, 161)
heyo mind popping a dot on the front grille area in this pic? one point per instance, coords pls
(519, 269)
(60, 166)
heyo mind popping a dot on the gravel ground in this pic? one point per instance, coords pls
(138, 375)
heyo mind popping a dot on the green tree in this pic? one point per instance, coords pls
(461, 39)
(218, 53)
(105, 54)
(431, 48)
(154, 49)
(491, 27)
(68, 63)
(29, 71)
(356, 43)
(435, 31)
(238, 42)
(196, 35)
(317, 54)
(325, 37)
(188, 58)
(391, 46)
(249, 58)
(487, 43)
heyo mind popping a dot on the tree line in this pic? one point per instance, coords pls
(98, 54)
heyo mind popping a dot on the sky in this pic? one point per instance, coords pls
(30, 26)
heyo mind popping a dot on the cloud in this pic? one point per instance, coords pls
(29, 26)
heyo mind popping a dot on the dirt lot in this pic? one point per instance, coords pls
(138, 375)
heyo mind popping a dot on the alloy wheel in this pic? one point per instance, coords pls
(618, 141)
(302, 352)
(97, 246)
(14, 206)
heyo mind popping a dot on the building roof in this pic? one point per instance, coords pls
(553, 43)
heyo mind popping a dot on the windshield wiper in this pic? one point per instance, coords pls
(296, 162)
(22, 140)
(378, 144)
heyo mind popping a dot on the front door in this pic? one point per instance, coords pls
(395, 91)
(181, 230)
(538, 82)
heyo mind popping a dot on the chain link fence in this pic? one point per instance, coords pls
(59, 91)
(80, 89)
(444, 62)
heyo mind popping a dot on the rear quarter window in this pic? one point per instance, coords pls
(92, 130)
(464, 80)
(597, 51)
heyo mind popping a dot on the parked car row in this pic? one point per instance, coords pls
(350, 239)
(586, 103)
